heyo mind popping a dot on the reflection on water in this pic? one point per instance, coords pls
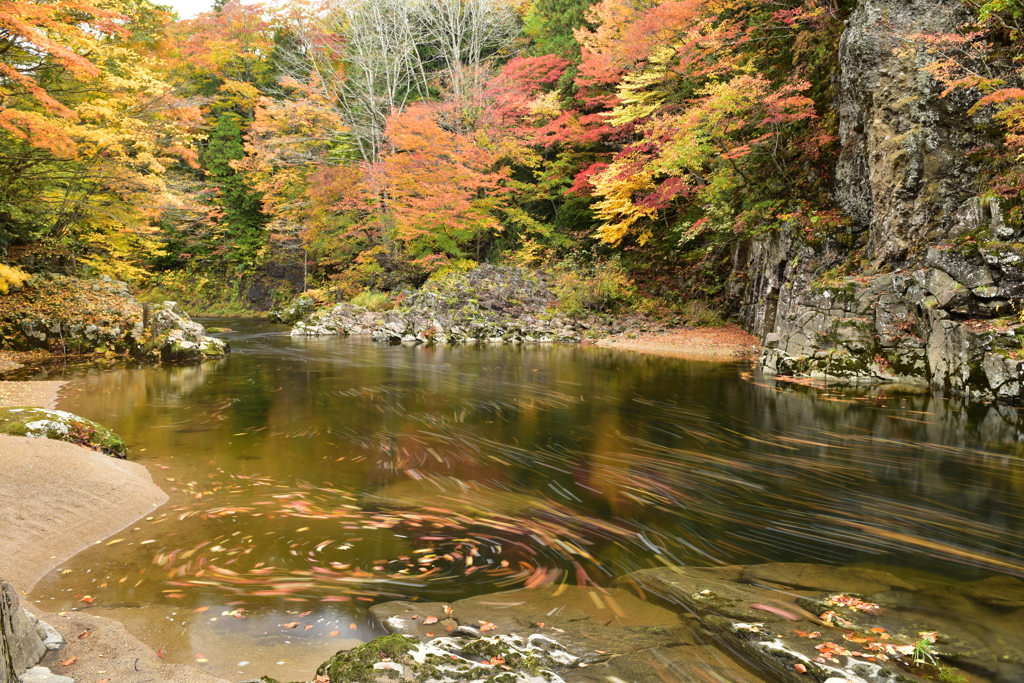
(324, 475)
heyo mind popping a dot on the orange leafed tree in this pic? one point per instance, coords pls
(440, 186)
(88, 128)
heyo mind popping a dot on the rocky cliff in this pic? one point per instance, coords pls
(936, 293)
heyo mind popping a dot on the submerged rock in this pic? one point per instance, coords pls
(775, 617)
(42, 423)
(588, 634)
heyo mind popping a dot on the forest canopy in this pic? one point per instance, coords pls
(370, 143)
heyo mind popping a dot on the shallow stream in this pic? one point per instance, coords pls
(322, 475)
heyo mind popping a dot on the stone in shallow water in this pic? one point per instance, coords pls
(40, 674)
(587, 633)
(1004, 592)
(809, 576)
(972, 634)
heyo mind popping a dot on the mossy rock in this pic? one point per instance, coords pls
(397, 657)
(357, 665)
(62, 426)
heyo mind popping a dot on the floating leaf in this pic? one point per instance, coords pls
(429, 620)
(290, 624)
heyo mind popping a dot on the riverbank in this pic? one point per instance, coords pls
(57, 499)
(715, 344)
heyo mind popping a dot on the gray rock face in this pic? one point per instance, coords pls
(20, 644)
(903, 166)
(947, 315)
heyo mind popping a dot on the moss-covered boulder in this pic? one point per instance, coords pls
(298, 309)
(62, 426)
(495, 659)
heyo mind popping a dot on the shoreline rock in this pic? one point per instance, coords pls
(70, 316)
(489, 304)
(42, 423)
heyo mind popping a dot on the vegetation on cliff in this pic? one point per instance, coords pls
(250, 153)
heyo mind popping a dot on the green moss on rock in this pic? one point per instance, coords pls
(356, 665)
(62, 426)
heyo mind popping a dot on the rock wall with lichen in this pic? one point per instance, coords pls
(67, 316)
(936, 294)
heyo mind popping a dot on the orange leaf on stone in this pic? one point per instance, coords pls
(429, 620)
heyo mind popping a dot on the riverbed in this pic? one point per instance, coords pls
(310, 478)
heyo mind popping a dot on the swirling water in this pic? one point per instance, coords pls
(323, 475)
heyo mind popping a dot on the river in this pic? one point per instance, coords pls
(322, 475)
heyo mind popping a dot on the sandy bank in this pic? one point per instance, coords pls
(720, 344)
(30, 394)
(56, 499)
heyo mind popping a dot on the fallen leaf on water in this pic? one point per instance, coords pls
(352, 627)
(290, 624)
(308, 626)
(778, 611)
(160, 653)
(69, 662)
(430, 634)
(487, 626)
(86, 599)
(305, 614)
(84, 634)
(429, 620)
(201, 609)
(334, 633)
(878, 629)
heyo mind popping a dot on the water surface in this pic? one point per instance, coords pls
(322, 475)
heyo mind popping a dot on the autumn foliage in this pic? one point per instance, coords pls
(375, 142)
